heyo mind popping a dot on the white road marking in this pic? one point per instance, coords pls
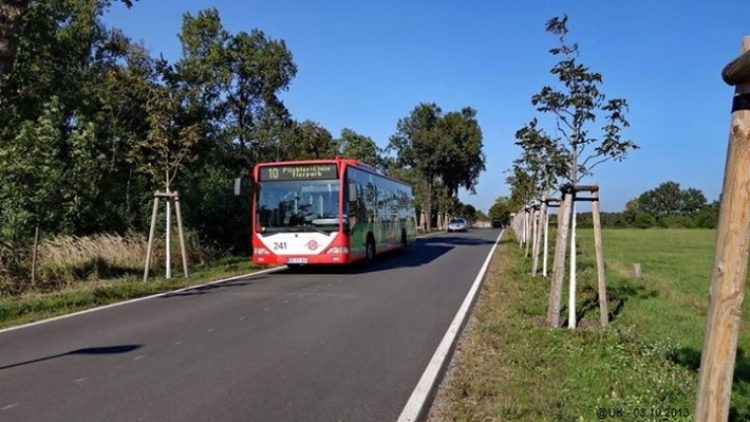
(139, 299)
(8, 407)
(211, 330)
(418, 400)
(80, 380)
(178, 343)
(139, 357)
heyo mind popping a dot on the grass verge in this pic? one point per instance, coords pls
(508, 366)
(34, 306)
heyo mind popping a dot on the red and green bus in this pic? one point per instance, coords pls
(336, 211)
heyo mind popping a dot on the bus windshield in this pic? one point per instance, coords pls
(298, 205)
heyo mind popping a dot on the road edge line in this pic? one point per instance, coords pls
(138, 299)
(415, 407)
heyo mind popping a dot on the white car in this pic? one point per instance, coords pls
(458, 225)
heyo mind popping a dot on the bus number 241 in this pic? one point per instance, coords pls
(279, 246)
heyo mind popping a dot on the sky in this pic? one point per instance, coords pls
(365, 64)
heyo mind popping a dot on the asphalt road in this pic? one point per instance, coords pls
(328, 345)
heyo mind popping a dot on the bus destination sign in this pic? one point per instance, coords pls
(300, 172)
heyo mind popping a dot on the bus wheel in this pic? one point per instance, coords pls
(370, 250)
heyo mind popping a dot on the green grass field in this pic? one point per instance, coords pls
(509, 366)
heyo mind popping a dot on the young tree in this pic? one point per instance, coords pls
(575, 104)
(171, 134)
(523, 186)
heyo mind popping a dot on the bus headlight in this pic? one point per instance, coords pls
(260, 251)
(338, 250)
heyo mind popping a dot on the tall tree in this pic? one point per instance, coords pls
(315, 142)
(236, 81)
(668, 199)
(12, 14)
(353, 145)
(502, 208)
(13, 17)
(460, 155)
(445, 149)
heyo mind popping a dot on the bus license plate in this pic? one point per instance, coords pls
(296, 261)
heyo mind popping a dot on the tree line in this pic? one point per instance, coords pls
(667, 206)
(92, 123)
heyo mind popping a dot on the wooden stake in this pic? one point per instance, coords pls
(600, 276)
(526, 233)
(558, 263)
(637, 273)
(168, 258)
(535, 246)
(546, 239)
(730, 269)
(573, 269)
(181, 234)
(151, 234)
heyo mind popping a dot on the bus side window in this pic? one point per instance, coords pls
(353, 208)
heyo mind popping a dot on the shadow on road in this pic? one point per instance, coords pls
(201, 290)
(423, 252)
(413, 256)
(457, 240)
(108, 350)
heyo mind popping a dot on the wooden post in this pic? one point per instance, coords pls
(600, 276)
(151, 234)
(536, 239)
(558, 263)
(526, 232)
(181, 234)
(730, 261)
(546, 239)
(637, 273)
(573, 269)
(168, 259)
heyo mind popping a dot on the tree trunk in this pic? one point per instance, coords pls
(12, 13)
(428, 204)
(34, 256)
(558, 263)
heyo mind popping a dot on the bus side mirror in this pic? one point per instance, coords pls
(352, 192)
